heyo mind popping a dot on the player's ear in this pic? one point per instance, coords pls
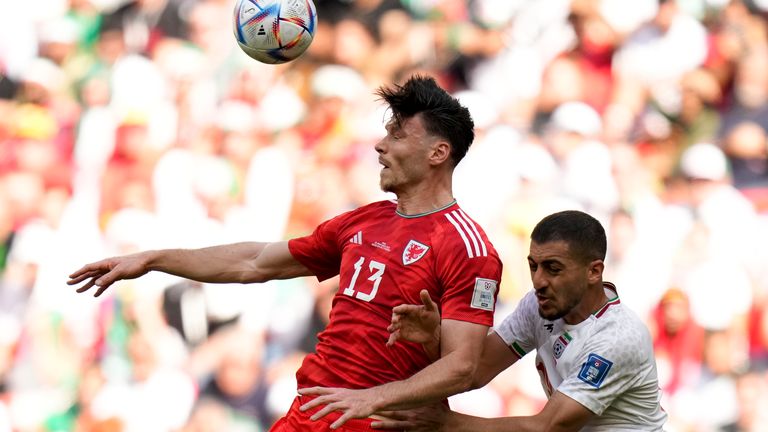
(595, 271)
(440, 152)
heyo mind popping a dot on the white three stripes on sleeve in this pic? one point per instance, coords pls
(468, 232)
(474, 230)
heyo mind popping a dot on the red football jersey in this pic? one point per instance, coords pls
(383, 260)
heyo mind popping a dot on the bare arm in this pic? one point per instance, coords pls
(233, 263)
(461, 347)
(421, 324)
(496, 357)
(560, 414)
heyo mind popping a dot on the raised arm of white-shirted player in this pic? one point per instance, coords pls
(245, 262)
(497, 356)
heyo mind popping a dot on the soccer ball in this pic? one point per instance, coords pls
(274, 31)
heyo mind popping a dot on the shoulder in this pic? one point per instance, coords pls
(621, 332)
(461, 234)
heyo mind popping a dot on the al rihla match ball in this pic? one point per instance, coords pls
(274, 31)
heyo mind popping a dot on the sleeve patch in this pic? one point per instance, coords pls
(594, 371)
(483, 296)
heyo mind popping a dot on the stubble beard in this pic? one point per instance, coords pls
(553, 316)
(559, 313)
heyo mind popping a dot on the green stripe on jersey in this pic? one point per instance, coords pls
(518, 350)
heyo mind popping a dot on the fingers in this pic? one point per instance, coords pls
(390, 424)
(427, 301)
(85, 287)
(77, 277)
(321, 398)
(311, 404)
(97, 279)
(389, 415)
(96, 274)
(406, 309)
(341, 420)
(101, 290)
(393, 337)
(315, 391)
(80, 274)
(325, 411)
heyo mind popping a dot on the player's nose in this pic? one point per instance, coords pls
(380, 146)
(539, 280)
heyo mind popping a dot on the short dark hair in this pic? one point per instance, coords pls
(443, 115)
(583, 233)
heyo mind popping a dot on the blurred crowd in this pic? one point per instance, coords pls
(134, 124)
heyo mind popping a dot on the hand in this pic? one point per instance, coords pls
(415, 323)
(429, 418)
(353, 403)
(104, 273)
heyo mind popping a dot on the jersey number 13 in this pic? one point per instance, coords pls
(376, 270)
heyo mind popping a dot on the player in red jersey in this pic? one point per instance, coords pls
(384, 254)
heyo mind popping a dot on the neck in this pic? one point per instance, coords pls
(424, 198)
(593, 300)
(411, 206)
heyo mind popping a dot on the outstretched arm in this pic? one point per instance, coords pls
(246, 262)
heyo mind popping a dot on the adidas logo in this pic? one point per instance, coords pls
(261, 31)
(357, 238)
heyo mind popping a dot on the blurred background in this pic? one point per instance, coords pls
(129, 125)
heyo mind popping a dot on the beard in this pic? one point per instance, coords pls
(553, 316)
(388, 183)
(560, 312)
(385, 185)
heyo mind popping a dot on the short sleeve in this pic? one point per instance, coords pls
(517, 330)
(470, 285)
(319, 251)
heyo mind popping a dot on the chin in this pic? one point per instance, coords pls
(388, 186)
(551, 315)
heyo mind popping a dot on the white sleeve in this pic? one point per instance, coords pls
(518, 328)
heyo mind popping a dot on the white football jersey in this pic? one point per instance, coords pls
(605, 362)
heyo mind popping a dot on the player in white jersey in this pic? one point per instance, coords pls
(594, 356)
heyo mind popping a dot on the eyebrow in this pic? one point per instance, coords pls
(546, 261)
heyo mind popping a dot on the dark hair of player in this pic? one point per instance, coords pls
(442, 114)
(583, 233)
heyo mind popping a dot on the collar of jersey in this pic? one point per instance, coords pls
(611, 301)
(426, 213)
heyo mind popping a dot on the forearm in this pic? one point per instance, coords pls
(560, 414)
(232, 263)
(449, 375)
(456, 422)
(432, 349)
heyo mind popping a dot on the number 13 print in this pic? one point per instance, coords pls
(377, 270)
